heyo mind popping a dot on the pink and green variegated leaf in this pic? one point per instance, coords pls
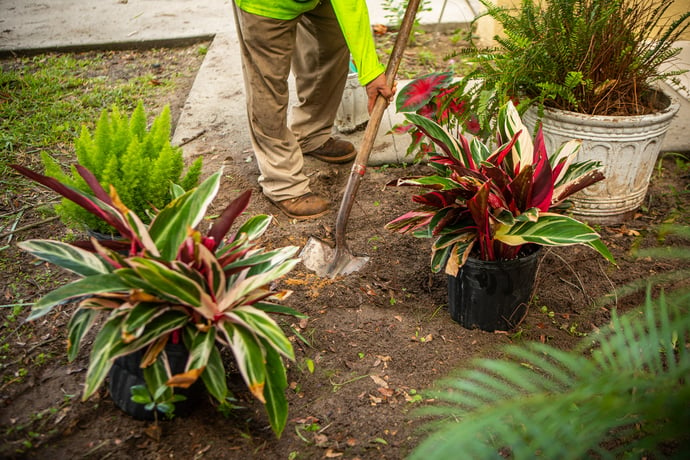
(79, 324)
(139, 232)
(441, 257)
(214, 376)
(254, 258)
(278, 256)
(242, 288)
(502, 154)
(90, 203)
(542, 182)
(211, 269)
(410, 221)
(600, 247)
(200, 346)
(233, 250)
(436, 199)
(504, 216)
(510, 126)
(94, 284)
(269, 307)
(469, 158)
(563, 158)
(412, 182)
(107, 339)
(458, 236)
(156, 374)
(139, 317)
(480, 152)
(274, 391)
(157, 279)
(499, 179)
(459, 255)
(171, 225)
(549, 230)
(256, 295)
(581, 176)
(155, 331)
(265, 327)
(479, 209)
(442, 138)
(64, 255)
(255, 226)
(249, 355)
(433, 182)
(93, 183)
(103, 304)
(521, 188)
(221, 226)
(420, 91)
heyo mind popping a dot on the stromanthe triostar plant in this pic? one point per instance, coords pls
(491, 204)
(168, 281)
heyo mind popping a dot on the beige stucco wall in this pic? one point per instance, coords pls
(679, 7)
(487, 28)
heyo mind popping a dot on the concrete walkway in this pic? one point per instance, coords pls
(216, 102)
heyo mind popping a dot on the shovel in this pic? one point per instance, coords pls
(317, 255)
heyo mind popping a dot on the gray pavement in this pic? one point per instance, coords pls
(214, 112)
(216, 101)
(64, 24)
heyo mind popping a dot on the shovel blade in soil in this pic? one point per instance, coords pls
(324, 260)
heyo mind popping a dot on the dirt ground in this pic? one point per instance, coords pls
(377, 338)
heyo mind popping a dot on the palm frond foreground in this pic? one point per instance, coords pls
(626, 392)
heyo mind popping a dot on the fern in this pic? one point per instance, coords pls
(629, 396)
(141, 164)
(622, 393)
(617, 46)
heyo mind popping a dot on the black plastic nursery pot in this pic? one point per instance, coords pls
(126, 373)
(492, 295)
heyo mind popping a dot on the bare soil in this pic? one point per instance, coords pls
(377, 338)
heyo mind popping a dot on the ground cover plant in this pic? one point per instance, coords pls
(373, 341)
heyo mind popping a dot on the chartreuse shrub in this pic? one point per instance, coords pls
(140, 163)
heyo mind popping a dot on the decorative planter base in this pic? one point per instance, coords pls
(627, 148)
(126, 373)
(492, 295)
(352, 112)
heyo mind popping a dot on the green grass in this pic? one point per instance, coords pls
(45, 99)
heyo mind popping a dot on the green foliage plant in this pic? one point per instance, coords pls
(623, 392)
(596, 57)
(140, 163)
(491, 204)
(166, 281)
(395, 11)
(438, 97)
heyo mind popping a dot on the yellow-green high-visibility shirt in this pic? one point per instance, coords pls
(353, 18)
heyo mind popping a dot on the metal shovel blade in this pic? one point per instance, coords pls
(316, 255)
(324, 260)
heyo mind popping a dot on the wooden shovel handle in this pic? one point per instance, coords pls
(381, 103)
(359, 166)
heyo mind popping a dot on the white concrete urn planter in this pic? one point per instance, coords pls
(626, 146)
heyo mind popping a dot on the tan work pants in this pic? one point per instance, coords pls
(314, 46)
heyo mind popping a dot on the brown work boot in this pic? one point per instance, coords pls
(334, 151)
(307, 206)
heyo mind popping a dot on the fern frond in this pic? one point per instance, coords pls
(141, 164)
(633, 391)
